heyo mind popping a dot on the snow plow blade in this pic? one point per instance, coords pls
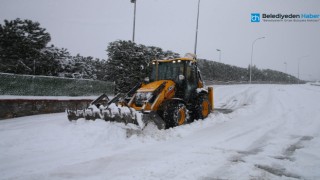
(119, 114)
(89, 113)
(108, 110)
(153, 117)
(129, 115)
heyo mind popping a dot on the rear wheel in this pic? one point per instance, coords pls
(202, 108)
(174, 114)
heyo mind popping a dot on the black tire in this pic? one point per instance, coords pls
(202, 107)
(174, 113)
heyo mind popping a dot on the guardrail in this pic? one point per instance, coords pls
(208, 82)
(28, 85)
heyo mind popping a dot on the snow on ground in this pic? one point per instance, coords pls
(272, 133)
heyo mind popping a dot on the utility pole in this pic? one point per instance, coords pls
(299, 67)
(252, 56)
(196, 41)
(34, 67)
(134, 18)
(285, 65)
(219, 55)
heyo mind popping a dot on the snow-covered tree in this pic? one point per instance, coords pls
(215, 71)
(129, 62)
(21, 42)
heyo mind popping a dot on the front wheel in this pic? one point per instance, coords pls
(174, 114)
(202, 107)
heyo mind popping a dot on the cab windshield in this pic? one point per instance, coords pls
(167, 70)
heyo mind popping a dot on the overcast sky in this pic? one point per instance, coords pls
(86, 27)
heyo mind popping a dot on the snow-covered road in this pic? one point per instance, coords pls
(272, 133)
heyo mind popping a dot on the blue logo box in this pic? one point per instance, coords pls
(255, 17)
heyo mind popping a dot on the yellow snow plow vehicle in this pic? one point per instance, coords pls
(173, 95)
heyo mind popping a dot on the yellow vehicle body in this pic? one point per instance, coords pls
(167, 93)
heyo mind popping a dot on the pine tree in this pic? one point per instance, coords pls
(129, 63)
(21, 42)
(123, 63)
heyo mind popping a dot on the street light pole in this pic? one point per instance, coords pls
(34, 67)
(252, 56)
(285, 64)
(196, 41)
(219, 55)
(299, 67)
(134, 18)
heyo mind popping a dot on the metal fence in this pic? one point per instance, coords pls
(28, 85)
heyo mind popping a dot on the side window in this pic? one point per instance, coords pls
(191, 74)
(199, 75)
(194, 74)
(181, 70)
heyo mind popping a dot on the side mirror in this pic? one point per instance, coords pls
(181, 77)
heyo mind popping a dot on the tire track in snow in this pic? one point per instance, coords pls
(268, 128)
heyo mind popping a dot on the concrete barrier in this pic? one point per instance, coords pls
(10, 108)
